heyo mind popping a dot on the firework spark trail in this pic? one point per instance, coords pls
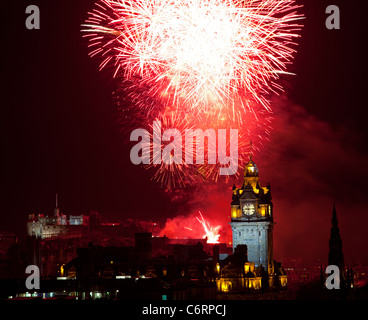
(198, 53)
(212, 233)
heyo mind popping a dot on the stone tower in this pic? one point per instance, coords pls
(252, 219)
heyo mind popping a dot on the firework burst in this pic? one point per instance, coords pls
(171, 175)
(195, 64)
(197, 54)
(178, 172)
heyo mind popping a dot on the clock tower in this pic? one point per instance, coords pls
(252, 219)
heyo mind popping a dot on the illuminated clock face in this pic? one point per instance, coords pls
(248, 209)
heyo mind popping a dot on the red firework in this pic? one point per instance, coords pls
(183, 173)
(196, 64)
(198, 54)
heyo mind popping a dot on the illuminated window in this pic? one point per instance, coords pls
(246, 268)
(229, 286)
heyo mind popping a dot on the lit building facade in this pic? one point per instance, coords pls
(45, 227)
(236, 274)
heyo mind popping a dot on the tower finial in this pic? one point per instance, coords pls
(334, 216)
(56, 210)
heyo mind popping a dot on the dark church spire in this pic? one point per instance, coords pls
(335, 255)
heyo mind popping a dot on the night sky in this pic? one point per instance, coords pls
(60, 134)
